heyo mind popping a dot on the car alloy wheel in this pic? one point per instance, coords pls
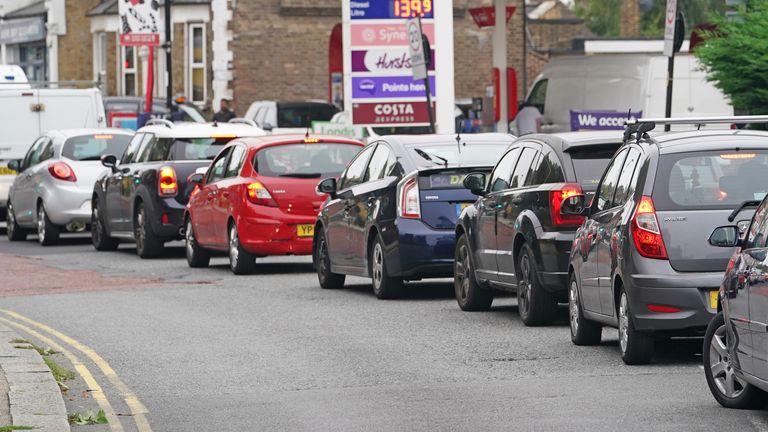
(241, 262)
(13, 230)
(573, 307)
(190, 237)
(326, 278)
(524, 286)
(234, 246)
(623, 324)
(141, 230)
(463, 273)
(41, 224)
(721, 366)
(377, 267)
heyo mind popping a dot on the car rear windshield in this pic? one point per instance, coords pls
(304, 160)
(589, 163)
(710, 180)
(302, 115)
(93, 147)
(471, 153)
(186, 148)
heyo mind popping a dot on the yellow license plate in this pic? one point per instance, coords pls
(460, 207)
(7, 171)
(713, 299)
(305, 230)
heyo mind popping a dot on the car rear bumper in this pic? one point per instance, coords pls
(67, 203)
(167, 218)
(554, 254)
(267, 234)
(421, 252)
(688, 292)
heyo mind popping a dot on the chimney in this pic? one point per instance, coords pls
(629, 26)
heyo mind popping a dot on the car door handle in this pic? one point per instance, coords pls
(28, 175)
(371, 201)
(225, 194)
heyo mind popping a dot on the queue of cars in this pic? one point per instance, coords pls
(615, 226)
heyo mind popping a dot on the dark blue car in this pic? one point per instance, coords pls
(391, 214)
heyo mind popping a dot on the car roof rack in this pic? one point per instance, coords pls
(243, 120)
(160, 122)
(640, 127)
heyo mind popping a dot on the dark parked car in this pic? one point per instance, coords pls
(143, 196)
(736, 343)
(514, 237)
(641, 261)
(391, 215)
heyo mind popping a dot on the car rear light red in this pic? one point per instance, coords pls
(258, 194)
(410, 204)
(165, 219)
(166, 184)
(662, 309)
(62, 171)
(646, 231)
(556, 198)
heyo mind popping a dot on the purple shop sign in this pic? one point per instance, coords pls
(389, 87)
(600, 120)
(383, 60)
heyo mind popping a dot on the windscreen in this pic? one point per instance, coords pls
(304, 160)
(187, 148)
(402, 130)
(93, 147)
(471, 154)
(711, 180)
(590, 162)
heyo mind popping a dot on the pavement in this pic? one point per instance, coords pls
(179, 349)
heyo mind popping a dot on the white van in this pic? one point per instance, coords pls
(592, 92)
(25, 114)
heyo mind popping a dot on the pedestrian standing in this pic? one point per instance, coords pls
(225, 114)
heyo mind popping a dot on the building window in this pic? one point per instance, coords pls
(100, 60)
(129, 71)
(197, 54)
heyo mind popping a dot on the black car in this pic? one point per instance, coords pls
(391, 215)
(514, 237)
(736, 343)
(143, 196)
(641, 262)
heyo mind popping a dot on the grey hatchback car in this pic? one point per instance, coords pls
(641, 261)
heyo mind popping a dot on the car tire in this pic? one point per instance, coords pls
(583, 331)
(241, 262)
(148, 244)
(47, 233)
(326, 278)
(197, 257)
(536, 305)
(469, 294)
(636, 347)
(728, 389)
(384, 285)
(99, 237)
(14, 231)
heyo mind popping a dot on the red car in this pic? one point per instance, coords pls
(258, 197)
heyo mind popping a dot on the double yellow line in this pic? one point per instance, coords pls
(33, 328)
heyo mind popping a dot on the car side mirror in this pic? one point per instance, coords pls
(109, 161)
(475, 182)
(267, 126)
(575, 205)
(725, 236)
(327, 186)
(195, 178)
(15, 165)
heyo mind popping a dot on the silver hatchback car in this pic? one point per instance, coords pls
(52, 192)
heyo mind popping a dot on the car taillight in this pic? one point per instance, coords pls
(646, 231)
(410, 205)
(166, 183)
(258, 194)
(62, 171)
(556, 198)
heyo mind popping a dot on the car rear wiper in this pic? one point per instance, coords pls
(742, 206)
(91, 158)
(303, 175)
(430, 157)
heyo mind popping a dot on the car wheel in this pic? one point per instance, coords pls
(728, 389)
(196, 256)
(47, 232)
(13, 230)
(240, 261)
(101, 241)
(636, 347)
(148, 245)
(536, 305)
(583, 331)
(469, 294)
(384, 286)
(327, 279)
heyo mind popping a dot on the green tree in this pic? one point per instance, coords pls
(736, 57)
